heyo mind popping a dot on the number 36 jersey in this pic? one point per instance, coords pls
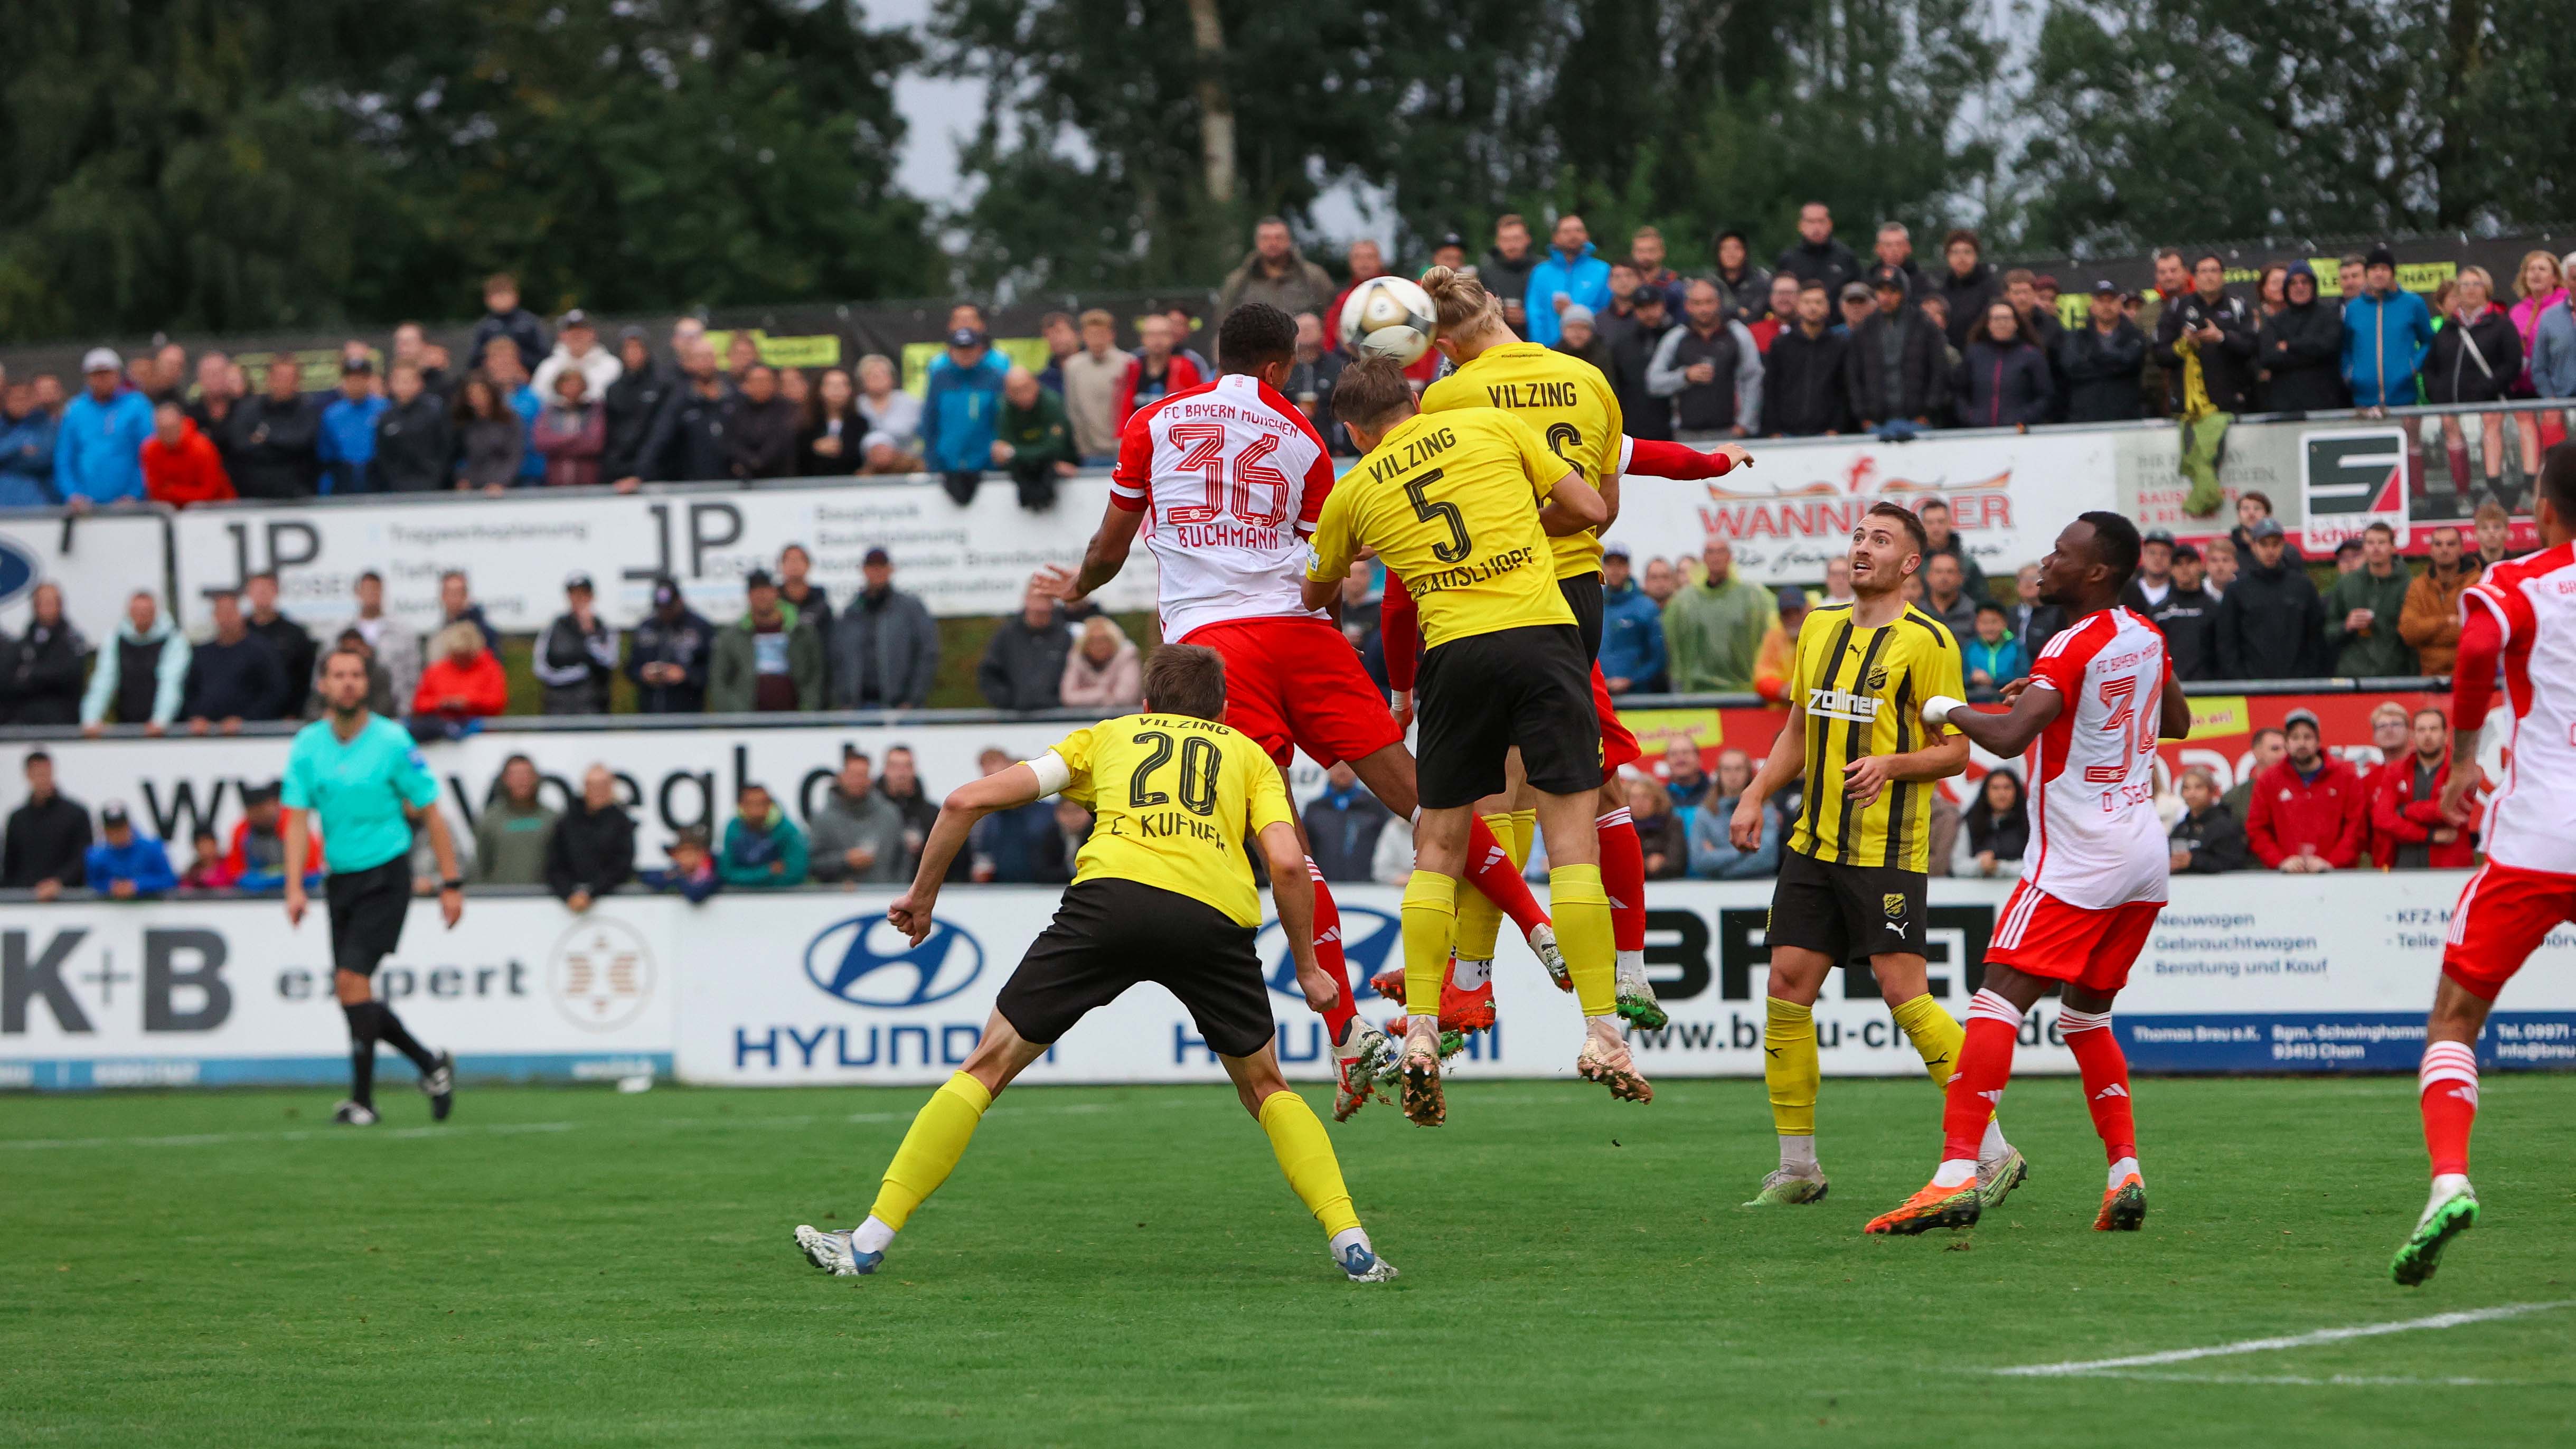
(1173, 798)
(2095, 841)
(1451, 501)
(1231, 477)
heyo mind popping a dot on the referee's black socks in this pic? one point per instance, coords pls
(393, 1033)
(362, 1051)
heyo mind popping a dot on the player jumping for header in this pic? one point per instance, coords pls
(2523, 614)
(2097, 700)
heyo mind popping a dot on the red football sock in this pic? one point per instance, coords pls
(1328, 954)
(2450, 1102)
(2106, 1079)
(1490, 869)
(1977, 1087)
(1623, 879)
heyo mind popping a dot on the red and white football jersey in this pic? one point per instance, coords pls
(2528, 822)
(2095, 841)
(1231, 477)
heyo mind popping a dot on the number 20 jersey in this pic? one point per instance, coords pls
(1231, 478)
(1173, 798)
(2095, 841)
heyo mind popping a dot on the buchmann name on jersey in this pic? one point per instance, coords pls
(1843, 704)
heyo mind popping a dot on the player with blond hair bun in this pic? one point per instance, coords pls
(1571, 405)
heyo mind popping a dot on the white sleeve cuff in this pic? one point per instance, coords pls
(1053, 773)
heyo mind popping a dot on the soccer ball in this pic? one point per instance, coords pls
(1388, 317)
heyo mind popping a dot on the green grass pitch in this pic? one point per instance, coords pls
(1125, 1267)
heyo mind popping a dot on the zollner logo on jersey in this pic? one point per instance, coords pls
(18, 571)
(866, 962)
(1843, 704)
(1368, 938)
(600, 975)
(2351, 478)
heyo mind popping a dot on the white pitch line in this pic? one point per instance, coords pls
(2295, 1340)
(2369, 1381)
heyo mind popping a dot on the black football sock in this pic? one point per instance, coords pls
(395, 1035)
(362, 1053)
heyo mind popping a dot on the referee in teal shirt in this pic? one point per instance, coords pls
(365, 777)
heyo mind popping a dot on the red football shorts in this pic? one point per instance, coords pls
(2044, 936)
(1298, 682)
(2503, 914)
(1618, 746)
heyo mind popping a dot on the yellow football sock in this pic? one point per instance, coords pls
(1306, 1159)
(940, 1132)
(1581, 911)
(1480, 920)
(1789, 1066)
(1430, 915)
(1524, 836)
(1936, 1035)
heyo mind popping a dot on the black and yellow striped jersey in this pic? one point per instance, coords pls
(1567, 401)
(1863, 690)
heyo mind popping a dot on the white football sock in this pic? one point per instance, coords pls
(1472, 974)
(2121, 1169)
(1798, 1154)
(1994, 1146)
(871, 1236)
(1348, 1236)
(1954, 1172)
(1630, 963)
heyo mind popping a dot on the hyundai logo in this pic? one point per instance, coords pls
(17, 571)
(866, 962)
(1367, 937)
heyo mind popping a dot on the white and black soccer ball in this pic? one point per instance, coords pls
(1388, 317)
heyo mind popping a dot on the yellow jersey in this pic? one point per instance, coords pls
(1173, 797)
(1568, 402)
(1450, 501)
(1863, 690)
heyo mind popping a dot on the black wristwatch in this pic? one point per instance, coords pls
(450, 885)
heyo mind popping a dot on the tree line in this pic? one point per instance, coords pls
(194, 166)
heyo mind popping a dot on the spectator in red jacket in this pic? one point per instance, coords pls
(180, 464)
(465, 681)
(2311, 810)
(1157, 371)
(2407, 828)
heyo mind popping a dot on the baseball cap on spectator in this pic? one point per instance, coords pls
(1646, 296)
(1857, 292)
(1450, 239)
(2306, 717)
(632, 333)
(2105, 287)
(2266, 528)
(966, 337)
(1887, 279)
(758, 579)
(577, 580)
(2349, 545)
(574, 318)
(102, 359)
(1792, 597)
(2380, 256)
(2158, 535)
(1576, 312)
(877, 556)
(355, 366)
(666, 590)
(2184, 551)
(2044, 281)
(113, 814)
(1613, 550)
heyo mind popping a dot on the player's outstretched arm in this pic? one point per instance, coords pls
(1650, 459)
(2006, 734)
(1101, 560)
(1787, 761)
(965, 805)
(1572, 507)
(1945, 755)
(1292, 894)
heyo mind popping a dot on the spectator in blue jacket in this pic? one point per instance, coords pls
(27, 449)
(2553, 347)
(2386, 333)
(1713, 855)
(1569, 275)
(126, 865)
(960, 409)
(347, 446)
(1632, 629)
(98, 451)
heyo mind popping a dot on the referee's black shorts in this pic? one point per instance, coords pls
(1848, 912)
(1109, 935)
(366, 912)
(1484, 694)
